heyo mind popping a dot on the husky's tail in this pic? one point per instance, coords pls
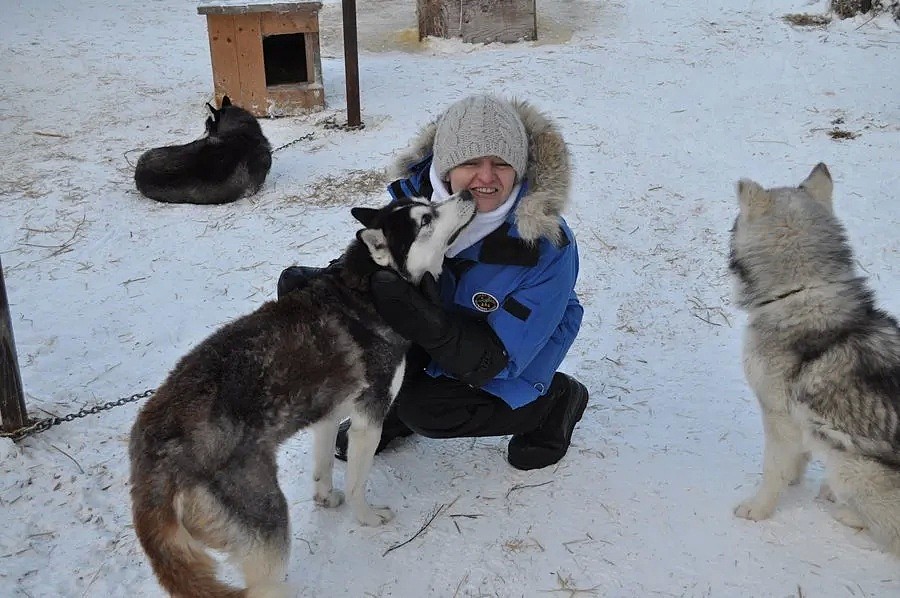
(181, 562)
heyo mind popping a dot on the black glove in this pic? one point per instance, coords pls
(295, 278)
(467, 348)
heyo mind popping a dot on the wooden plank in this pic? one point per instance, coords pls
(241, 7)
(224, 57)
(295, 98)
(478, 21)
(278, 23)
(12, 400)
(434, 18)
(485, 21)
(313, 58)
(451, 18)
(251, 68)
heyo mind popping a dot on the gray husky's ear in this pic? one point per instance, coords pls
(753, 199)
(818, 184)
(377, 244)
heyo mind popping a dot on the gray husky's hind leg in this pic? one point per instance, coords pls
(871, 490)
(324, 434)
(784, 459)
(800, 470)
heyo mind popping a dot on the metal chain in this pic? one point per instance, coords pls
(42, 425)
(332, 123)
(306, 137)
(329, 123)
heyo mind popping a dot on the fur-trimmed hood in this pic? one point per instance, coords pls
(548, 173)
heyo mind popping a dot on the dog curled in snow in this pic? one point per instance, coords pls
(203, 448)
(822, 359)
(229, 162)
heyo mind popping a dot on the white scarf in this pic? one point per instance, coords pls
(482, 225)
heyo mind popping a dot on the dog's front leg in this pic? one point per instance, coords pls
(364, 435)
(783, 458)
(324, 434)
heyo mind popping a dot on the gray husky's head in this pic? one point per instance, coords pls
(412, 235)
(787, 239)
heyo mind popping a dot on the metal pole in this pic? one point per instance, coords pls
(12, 400)
(351, 63)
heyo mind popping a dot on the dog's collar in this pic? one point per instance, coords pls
(780, 297)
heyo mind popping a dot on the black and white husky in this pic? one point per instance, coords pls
(230, 162)
(203, 467)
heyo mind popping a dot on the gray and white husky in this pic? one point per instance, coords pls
(823, 361)
(203, 448)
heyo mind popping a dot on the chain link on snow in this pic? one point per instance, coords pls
(42, 425)
(329, 123)
(332, 123)
(306, 137)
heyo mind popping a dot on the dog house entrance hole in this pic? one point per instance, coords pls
(284, 57)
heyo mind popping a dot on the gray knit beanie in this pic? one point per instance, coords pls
(479, 126)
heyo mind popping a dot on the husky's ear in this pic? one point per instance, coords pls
(365, 216)
(818, 184)
(753, 199)
(210, 125)
(213, 111)
(226, 101)
(377, 244)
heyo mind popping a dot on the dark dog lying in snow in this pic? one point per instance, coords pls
(230, 162)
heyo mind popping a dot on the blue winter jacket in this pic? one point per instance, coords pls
(522, 287)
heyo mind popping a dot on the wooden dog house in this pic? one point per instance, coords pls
(265, 56)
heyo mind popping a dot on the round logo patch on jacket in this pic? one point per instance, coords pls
(485, 302)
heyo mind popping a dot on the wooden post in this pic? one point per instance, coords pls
(12, 399)
(351, 63)
(478, 21)
(432, 17)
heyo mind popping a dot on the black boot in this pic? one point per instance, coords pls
(295, 278)
(549, 442)
(391, 428)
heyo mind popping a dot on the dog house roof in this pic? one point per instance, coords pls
(239, 7)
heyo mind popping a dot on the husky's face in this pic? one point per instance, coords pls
(786, 239)
(411, 236)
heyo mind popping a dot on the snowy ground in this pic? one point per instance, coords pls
(665, 104)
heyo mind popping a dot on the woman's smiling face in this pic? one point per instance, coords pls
(489, 178)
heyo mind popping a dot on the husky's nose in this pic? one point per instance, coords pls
(465, 195)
